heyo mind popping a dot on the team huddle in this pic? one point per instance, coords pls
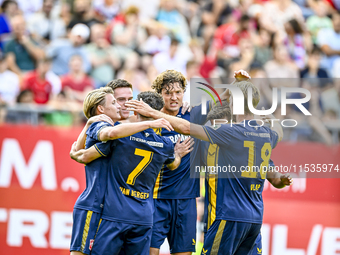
(138, 185)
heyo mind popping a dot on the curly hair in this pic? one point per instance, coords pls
(119, 83)
(167, 79)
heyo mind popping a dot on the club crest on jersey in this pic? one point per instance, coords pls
(204, 251)
(217, 126)
(259, 251)
(147, 134)
(91, 244)
(193, 242)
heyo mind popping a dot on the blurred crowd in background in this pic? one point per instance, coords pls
(53, 52)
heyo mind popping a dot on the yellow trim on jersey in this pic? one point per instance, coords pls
(86, 230)
(101, 153)
(158, 184)
(158, 131)
(217, 241)
(209, 137)
(212, 160)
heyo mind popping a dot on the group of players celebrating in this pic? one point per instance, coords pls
(138, 185)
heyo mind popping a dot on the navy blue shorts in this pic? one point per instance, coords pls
(175, 219)
(113, 235)
(230, 238)
(257, 249)
(85, 226)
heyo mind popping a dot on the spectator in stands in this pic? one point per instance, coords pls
(103, 56)
(277, 12)
(227, 37)
(158, 41)
(171, 59)
(9, 83)
(61, 50)
(127, 34)
(316, 76)
(132, 73)
(319, 20)
(76, 83)
(106, 9)
(83, 13)
(44, 26)
(9, 9)
(295, 43)
(329, 42)
(25, 99)
(193, 71)
(37, 83)
(21, 52)
(281, 67)
(263, 49)
(214, 14)
(174, 20)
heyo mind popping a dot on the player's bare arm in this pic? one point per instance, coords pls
(279, 180)
(181, 149)
(82, 136)
(127, 129)
(84, 156)
(179, 125)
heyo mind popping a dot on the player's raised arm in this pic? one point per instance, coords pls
(127, 129)
(80, 144)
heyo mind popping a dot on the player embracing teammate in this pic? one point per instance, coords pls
(236, 208)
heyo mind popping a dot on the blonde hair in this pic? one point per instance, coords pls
(93, 99)
(244, 85)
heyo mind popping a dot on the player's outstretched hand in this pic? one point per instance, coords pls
(186, 107)
(183, 148)
(161, 123)
(139, 107)
(286, 179)
(98, 118)
(241, 75)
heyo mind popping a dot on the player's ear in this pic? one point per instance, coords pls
(100, 109)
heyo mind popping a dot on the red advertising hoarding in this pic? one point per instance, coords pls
(39, 185)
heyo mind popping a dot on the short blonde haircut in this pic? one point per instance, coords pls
(244, 85)
(93, 99)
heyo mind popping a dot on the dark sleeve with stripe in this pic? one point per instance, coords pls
(104, 148)
(196, 116)
(220, 135)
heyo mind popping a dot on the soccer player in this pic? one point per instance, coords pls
(175, 192)
(88, 206)
(237, 207)
(217, 116)
(135, 163)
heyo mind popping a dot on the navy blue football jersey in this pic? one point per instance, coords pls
(236, 161)
(179, 184)
(96, 171)
(135, 164)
